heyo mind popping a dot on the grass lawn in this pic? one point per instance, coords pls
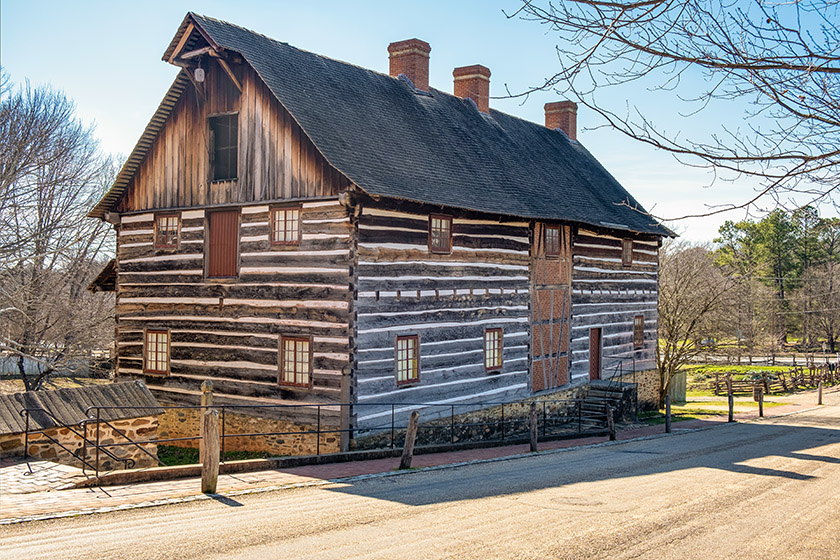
(701, 404)
(171, 455)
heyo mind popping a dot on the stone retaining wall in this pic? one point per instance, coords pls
(486, 423)
(184, 423)
(648, 383)
(135, 429)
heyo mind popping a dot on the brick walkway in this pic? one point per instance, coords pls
(20, 500)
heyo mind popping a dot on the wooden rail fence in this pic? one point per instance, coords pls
(776, 382)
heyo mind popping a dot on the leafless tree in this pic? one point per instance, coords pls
(692, 296)
(51, 172)
(780, 60)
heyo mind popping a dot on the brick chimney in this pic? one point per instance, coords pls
(562, 115)
(411, 58)
(473, 82)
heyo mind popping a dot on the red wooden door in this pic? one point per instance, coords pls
(595, 353)
(223, 244)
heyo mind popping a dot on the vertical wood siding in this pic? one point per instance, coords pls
(276, 159)
(608, 295)
(447, 301)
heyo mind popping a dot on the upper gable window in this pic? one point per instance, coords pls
(285, 226)
(626, 252)
(552, 241)
(440, 234)
(167, 228)
(223, 146)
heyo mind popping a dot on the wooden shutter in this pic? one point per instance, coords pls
(223, 244)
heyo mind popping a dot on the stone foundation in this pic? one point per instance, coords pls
(486, 423)
(296, 439)
(135, 429)
(648, 385)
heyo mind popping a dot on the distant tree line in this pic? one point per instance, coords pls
(765, 286)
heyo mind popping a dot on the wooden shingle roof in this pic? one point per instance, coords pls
(68, 406)
(432, 148)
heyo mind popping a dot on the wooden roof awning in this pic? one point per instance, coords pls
(106, 280)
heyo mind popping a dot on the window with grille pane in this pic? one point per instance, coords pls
(295, 361)
(552, 241)
(440, 234)
(224, 146)
(492, 349)
(156, 352)
(408, 358)
(638, 331)
(626, 252)
(285, 226)
(166, 231)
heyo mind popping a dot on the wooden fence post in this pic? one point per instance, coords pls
(819, 393)
(206, 393)
(760, 402)
(209, 452)
(410, 436)
(532, 424)
(610, 423)
(667, 414)
(731, 406)
(206, 400)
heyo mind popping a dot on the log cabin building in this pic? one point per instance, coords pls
(305, 231)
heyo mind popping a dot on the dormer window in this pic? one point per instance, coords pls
(440, 234)
(626, 252)
(223, 146)
(167, 228)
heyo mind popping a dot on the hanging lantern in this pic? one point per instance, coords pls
(199, 74)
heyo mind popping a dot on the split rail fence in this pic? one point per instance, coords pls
(794, 379)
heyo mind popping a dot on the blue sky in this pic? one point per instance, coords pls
(107, 57)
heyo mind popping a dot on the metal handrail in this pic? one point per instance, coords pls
(83, 436)
(502, 424)
(128, 439)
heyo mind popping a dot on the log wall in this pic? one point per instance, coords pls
(608, 295)
(228, 330)
(447, 301)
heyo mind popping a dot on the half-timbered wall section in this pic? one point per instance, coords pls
(551, 302)
(608, 294)
(447, 300)
(275, 158)
(230, 330)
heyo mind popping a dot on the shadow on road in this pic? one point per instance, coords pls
(726, 448)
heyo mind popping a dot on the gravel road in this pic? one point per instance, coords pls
(759, 490)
